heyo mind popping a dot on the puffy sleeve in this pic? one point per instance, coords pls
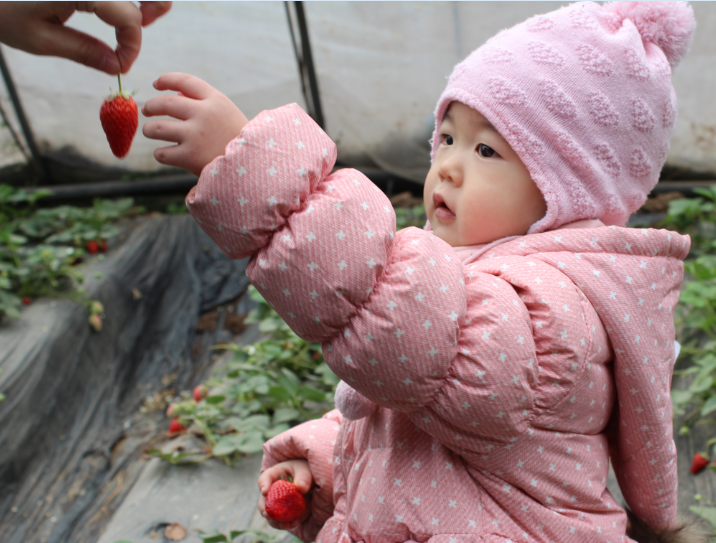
(387, 307)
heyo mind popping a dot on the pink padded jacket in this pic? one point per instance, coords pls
(503, 385)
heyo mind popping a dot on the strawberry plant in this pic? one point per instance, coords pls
(262, 390)
(40, 247)
(696, 324)
(696, 312)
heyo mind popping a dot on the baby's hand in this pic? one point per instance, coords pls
(299, 471)
(207, 122)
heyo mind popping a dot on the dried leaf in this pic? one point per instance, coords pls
(175, 532)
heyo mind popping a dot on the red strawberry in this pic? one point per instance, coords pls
(119, 118)
(26, 300)
(103, 246)
(200, 393)
(176, 427)
(92, 247)
(284, 503)
(699, 463)
(172, 410)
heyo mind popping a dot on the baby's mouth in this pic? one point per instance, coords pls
(442, 212)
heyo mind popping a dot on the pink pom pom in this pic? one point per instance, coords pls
(669, 25)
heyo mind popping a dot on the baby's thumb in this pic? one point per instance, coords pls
(302, 477)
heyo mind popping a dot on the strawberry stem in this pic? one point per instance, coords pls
(119, 78)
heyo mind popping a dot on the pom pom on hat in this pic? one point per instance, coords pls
(669, 25)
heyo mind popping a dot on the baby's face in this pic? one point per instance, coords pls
(478, 190)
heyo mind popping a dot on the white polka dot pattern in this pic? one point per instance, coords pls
(495, 381)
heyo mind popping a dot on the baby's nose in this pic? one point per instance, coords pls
(451, 170)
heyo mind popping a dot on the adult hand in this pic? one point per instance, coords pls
(39, 28)
(207, 122)
(300, 473)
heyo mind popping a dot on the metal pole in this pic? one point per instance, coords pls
(14, 135)
(36, 157)
(308, 64)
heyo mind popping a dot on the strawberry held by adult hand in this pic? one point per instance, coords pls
(284, 502)
(120, 119)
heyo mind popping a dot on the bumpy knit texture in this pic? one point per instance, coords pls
(584, 96)
(494, 381)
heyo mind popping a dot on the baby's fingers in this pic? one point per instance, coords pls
(175, 106)
(165, 131)
(297, 470)
(180, 156)
(188, 85)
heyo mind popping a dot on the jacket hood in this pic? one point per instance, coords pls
(632, 278)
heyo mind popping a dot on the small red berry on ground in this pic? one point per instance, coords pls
(284, 503)
(92, 247)
(26, 300)
(176, 427)
(200, 392)
(699, 463)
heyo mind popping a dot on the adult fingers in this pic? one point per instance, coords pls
(127, 20)
(151, 11)
(189, 85)
(164, 130)
(65, 42)
(178, 107)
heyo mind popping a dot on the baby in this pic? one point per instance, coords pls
(481, 357)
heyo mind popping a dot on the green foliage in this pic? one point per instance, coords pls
(256, 536)
(177, 209)
(706, 513)
(39, 247)
(696, 317)
(695, 217)
(410, 216)
(263, 390)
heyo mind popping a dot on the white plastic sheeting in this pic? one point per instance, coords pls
(380, 65)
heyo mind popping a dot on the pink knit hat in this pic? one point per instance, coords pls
(584, 96)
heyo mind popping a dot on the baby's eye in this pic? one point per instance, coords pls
(447, 139)
(485, 151)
